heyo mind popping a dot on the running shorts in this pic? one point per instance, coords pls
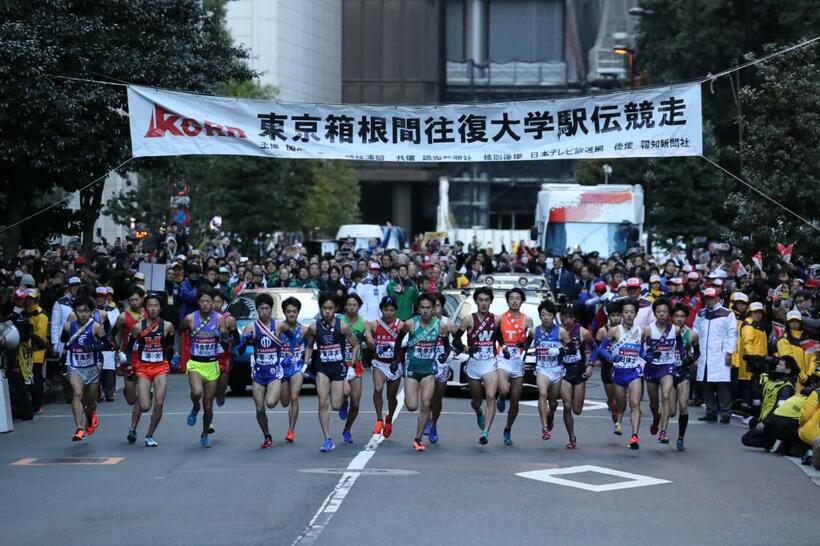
(151, 371)
(88, 374)
(574, 373)
(292, 369)
(208, 371)
(553, 373)
(653, 373)
(335, 371)
(477, 369)
(513, 366)
(624, 376)
(263, 375)
(681, 374)
(385, 369)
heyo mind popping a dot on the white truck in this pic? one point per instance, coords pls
(606, 218)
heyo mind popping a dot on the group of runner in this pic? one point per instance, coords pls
(417, 350)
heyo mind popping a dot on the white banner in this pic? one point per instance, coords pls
(657, 122)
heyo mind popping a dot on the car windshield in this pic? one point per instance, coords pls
(243, 307)
(497, 307)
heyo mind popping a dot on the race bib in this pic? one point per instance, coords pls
(265, 359)
(425, 351)
(384, 351)
(331, 353)
(152, 357)
(82, 360)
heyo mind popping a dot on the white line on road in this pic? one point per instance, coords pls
(334, 500)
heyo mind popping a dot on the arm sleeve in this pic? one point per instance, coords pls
(56, 323)
(731, 334)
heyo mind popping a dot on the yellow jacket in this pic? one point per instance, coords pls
(39, 323)
(810, 418)
(806, 361)
(752, 342)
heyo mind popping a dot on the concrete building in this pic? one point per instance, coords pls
(295, 44)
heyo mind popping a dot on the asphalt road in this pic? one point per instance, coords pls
(457, 492)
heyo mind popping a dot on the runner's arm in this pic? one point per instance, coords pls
(309, 335)
(368, 335)
(397, 344)
(225, 338)
(352, 339)
(444, 333)
(168, 341)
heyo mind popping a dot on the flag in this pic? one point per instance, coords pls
(758, 260)
(738, 270)
(785, 252)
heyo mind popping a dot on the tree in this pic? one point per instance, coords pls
(781, 124)
(57, 132)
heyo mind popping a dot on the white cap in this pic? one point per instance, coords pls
(109, 289)
(755, 306)
(794, 314)
(739, 296)
(74, 281)
(721, 274)
(140, 276)
(101, 290)
(716, 282)
(654, 278)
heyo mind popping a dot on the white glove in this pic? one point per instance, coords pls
(120, 358)
(553, 351)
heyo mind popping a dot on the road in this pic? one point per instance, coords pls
(457, 492)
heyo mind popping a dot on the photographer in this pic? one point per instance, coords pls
(781, 407)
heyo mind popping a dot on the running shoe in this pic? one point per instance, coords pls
(378, 427)
(79, 435)
(347, 437)
(343, 411)
(150, 442)
(220, 402)
(418, 446)
(545, 433)
(211, 429)
(327, 445)
(479, 417)
(433, 436)
(663, 438)
(572, 443)
(633, 442)
(388, 429)
(109, 398)
(289, 436)
(89, 425)
(267, 443)
(132, 435)
(679, 445)
(619, 429)
(205, 440)
(483, 439)
(507, 438)
(426, 429)
(550, 421)
(501, 403)
(653, 430)
(192, 417)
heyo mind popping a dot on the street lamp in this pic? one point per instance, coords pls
(607, 171)
(640, 12)
(620, 49)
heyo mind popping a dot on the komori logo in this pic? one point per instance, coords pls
(164, 122)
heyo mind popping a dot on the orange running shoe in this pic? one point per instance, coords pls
(418, 446)
(377, 428)
(79, 435)
(267, 443)
(91, 423)
(289, 436)
(388, 429)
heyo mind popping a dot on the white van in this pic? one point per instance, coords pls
(362, 233)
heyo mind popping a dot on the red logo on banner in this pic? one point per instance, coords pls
(163, 122)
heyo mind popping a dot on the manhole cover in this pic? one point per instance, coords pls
(361, 471)
(69, 460)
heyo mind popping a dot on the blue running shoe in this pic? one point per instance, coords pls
(483, 438)
(679, 445)
(427, 429)
(501, 403)
(347, 437)
(343, 411)
(433, 435)
(507, 438)
(327, 445)
(192, 417)
(205, 440)
(479, 417)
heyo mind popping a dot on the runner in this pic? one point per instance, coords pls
(208, 332)
(513, 329)
(422, 361)
(292, 334)
(576, 371)
(330, 334)
(661, 347)
(266, 371)
(688, 353)
(549, 341)
(224, 356)
(108, 375)
(125, 324)
(443, 374)
(84, 338)
(481, 328)
(613, 312)
(381, 335)
(152, 344)
(627, 373)
(353, 360)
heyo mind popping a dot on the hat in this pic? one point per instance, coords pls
(799, 280)
(223, 269)
(813, 283)
(32, 293)
(375, 265)
(600, 287)
(139, 276)
(177, 264)
(739, 296)
(710, 293)
(633, 282)
(182, 258)
(693, 276)
(794, 314)
(716, 282)
(687, 268)
(621, 284)
(101, 290)
(675, 280)
(109, 290)
(721, 274)
(74, 281)
(28, 280)
(755, 306)
(654, 278)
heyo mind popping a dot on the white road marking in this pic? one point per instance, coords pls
(334, 500)
(632, 480)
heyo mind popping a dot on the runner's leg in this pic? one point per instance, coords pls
(490, 392)
(667, 401)
(635, 395)
(426, 387)
(77, 388)
(323, 395)
(379, 380)
(543, 383)
(436, 405)
(411, 394)
(294, 386)
(392, 398)
(258, 392)
(355, 399)
(160, 389)
(208, 395)
(566, 399)
(195, 382)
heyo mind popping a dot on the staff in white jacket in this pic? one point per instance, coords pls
(717, 330)
(372, 289)
(59, 314)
